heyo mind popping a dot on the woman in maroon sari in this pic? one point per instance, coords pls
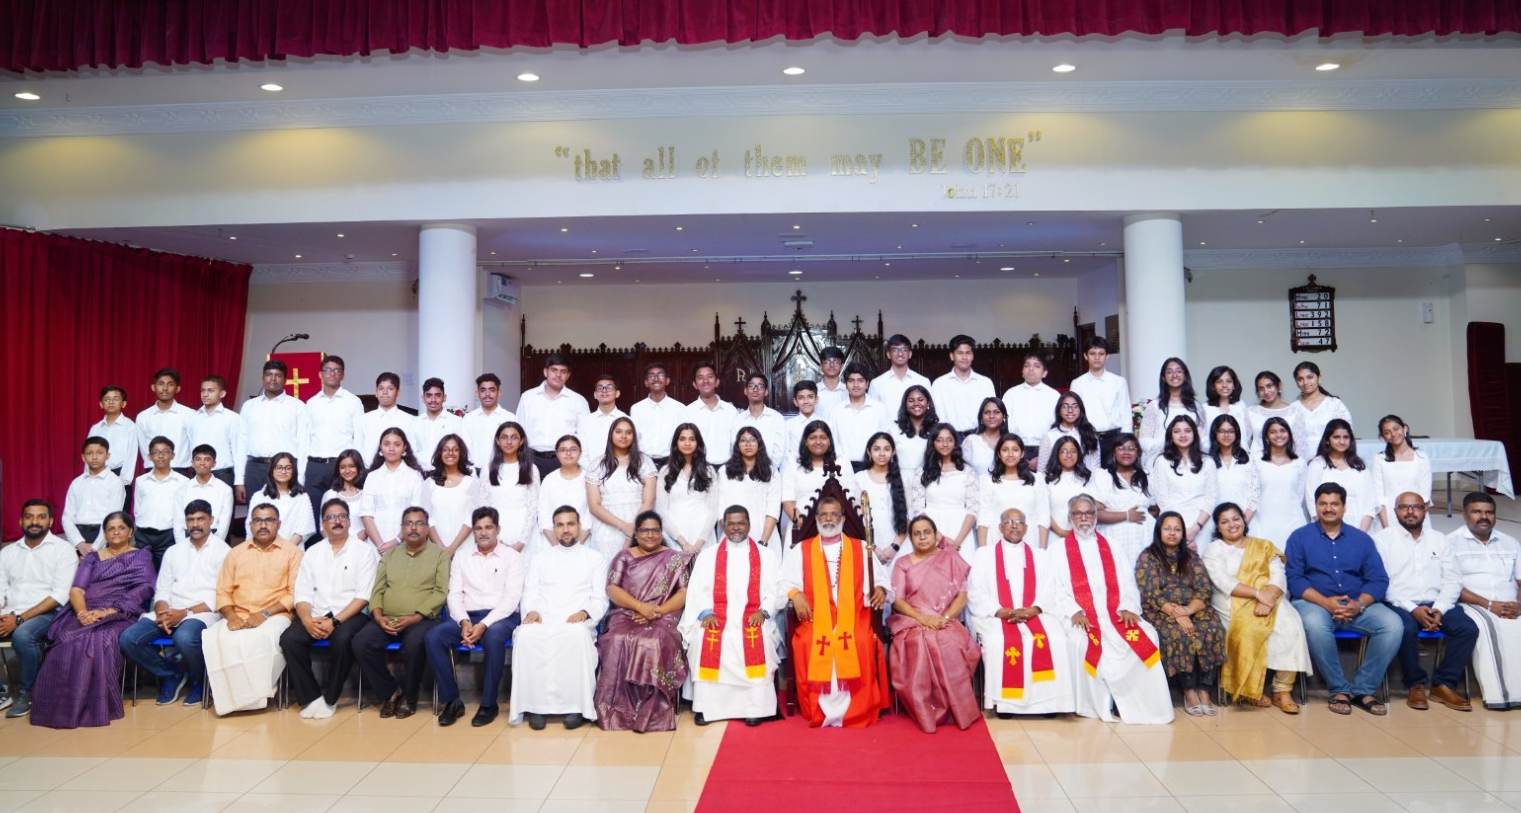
(80, 680)
(643, 659)
(932, 655)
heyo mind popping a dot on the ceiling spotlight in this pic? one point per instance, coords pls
(887, 264)
(1066, 259)
(1029, 222)
(1065, 68)
(678, 228)
(1327, 66)
(795, 272)
(1202, 243)
(340, 234)
(492, 254)
(1499, 239)
(298, 256)
(1007, 268)
(564, 230)
(794, 71)
(587, 276)
(232, 237)
(594, 251)
(394, 254)
(913, 225)
(271, 87)
(528, 77)
(1260, 222)
(27, 96)
(618, 267)
(1037, 273)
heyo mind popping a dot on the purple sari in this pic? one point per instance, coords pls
(643, 665)
(932, 669)
(79, 683)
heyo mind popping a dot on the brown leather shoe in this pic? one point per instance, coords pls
(388, 708)
(1450, 698)
(1417, 697)
(405, 708)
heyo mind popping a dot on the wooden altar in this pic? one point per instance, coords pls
(786, 353)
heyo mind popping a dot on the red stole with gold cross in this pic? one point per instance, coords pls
(1013, 640)
(753, 641)
(1144, 647)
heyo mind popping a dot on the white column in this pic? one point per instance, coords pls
(1154, 328)
(447, 309)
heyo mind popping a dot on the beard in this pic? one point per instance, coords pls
(831, 529)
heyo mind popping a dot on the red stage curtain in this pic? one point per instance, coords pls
(61, 35)
(80, 315)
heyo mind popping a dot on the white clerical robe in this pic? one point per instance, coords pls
(243, 666)
(1046, 697)
(1123, 681)
(554, 663)
(734, 695)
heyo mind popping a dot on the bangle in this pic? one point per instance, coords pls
(1491, 606)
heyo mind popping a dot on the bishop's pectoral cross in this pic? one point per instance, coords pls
(1013, 653)
(713, 639)
(845, 640)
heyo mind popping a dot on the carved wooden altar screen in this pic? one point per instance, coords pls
(786, 353)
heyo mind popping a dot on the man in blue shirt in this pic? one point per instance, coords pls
(1337, 581)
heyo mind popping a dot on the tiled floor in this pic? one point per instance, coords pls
(167, 760)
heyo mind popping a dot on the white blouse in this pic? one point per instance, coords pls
(1011, 492)
(949, 501)
(760, 499)
(685, 511)
(1361, 499)
(387, 493)
(449, 508)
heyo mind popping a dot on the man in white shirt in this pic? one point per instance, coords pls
(93, 494)
(36, 573)
(958, 394)
(592, 429)
(831, 387)
(550, 411)
(657, 416)
(480, 424)
(485, 587)
(554, 655)
(272, 422)
(767, 421)
(713, 415)
(1490, 562)
(887, 389)
(856, 420)
(373, 424)
(220, 428)
(332, 416)
(1031, 405)
(1106, 396)
(120, 432)
(1424, 586)
(154, 494)
(434, 423)
(187, 587)
(332, 588)
(166, 418)
(204, 486)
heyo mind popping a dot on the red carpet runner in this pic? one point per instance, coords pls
(785, 765)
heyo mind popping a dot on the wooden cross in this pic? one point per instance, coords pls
(799, 299)
(739, 325)
(857, 322)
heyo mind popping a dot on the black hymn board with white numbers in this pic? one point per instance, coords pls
(1312, 318)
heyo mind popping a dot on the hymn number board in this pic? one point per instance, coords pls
(1312, 318)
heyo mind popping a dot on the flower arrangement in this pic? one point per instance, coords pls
(1136, 411)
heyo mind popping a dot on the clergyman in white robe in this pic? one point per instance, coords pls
(1490, 562)
(554, 660)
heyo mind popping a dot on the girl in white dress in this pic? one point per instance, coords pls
(1317, 407)
(348, 485)
(512, 486)
(284, 492)
(686, 492)
(1270, 404)
(1066, 475)
(1183, 479)
(804, 475)
(1336, 461)
(1235, 477)
(1007, 484)
(451, 494)
(1175, 396)
(992, 424)
(1280, 480)
(393, 485)
(1125, 501)
(882, 481)
(563, 486)
(945, 488)
(916, 417)
(1070, 420)
(1222, 396)
(622, 487)
(1401, 468)
(749, 480)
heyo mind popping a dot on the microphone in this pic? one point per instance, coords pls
(300, 336)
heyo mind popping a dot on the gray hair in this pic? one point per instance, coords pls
(1081, 498)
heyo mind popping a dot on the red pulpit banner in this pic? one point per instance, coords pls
(302, 382)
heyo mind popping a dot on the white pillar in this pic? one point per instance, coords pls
(447, 306)
(1154, 328)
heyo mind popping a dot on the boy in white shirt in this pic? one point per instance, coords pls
(91, 496)
(120, 434)
(154, 495)
(206, 485)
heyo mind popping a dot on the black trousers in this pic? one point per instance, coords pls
(370, 652)
(156, 541)
(297, 646)
(317, 480)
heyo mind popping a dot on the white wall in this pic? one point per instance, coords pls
(1494, 295)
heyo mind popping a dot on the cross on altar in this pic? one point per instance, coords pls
(845, 640)
(799, 299)
(739, 325)
(1013, 654)
(295, 381)
(823, 643)
(712, 639)
(857, 322)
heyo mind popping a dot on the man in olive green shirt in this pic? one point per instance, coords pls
(411, 585)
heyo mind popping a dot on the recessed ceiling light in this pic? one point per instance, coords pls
(1066, 259)
(1301, 242)
(394, 254)
(340, 234)
(587, 276)
(1202, 243)
(1029, 222)
(887, 264)
(528, 77)
(1260, 222)
(1327, 66)
(1400, 240)
(794, 71)
(564, 230)
(694, 251)
(1372, 220)
(795, 227)
(1486, 220)
(958, 276)
(1007, 268)
(795, 272)
(27, 96)
(899, 248)
(298, 256)
(1037, 273)
(271, 87)
(492, 254)
(1102, 244)
(1498, 239)
(232, 237)
(678, 228)
(618, 267)
(913, 225)
(1065, 68)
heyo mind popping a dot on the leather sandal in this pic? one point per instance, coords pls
(1340, 704)
(1285, 703)
(1371, 704)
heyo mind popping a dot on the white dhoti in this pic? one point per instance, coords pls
(554, 669)
(1046, 697)
(1123, 681)
(1497, 657)
(243, 666)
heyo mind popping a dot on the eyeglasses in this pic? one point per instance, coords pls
(650, 376)
(649, 532)
(1013, 521)
(286, 467)
(755, 386)
(605, 388)
(1417, 506)
(1082, 513)
(411, 523)
(264, 521)
(332, 370)
(337, 517)
(567, 450)
(160, 452)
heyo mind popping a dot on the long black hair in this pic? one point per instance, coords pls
(271, 490)
(440, 477)
(1023, 471)
(1314, 368)
(1138, 476)
(761, 471)
(1324, 450)
(929, 472)
(408, 458)
(702, 471)
(610, 454)
(1054, 464)
(1159, 551)
(526, 468)
(1267, 451)
(894, 482)
(1087, 435)
(1238, 454)
(1214, 377)
(1003, 424)
(1185, 393)
(906, 424)
(1172, 454)
(805, 458)
(353, 456)
(1388, 448)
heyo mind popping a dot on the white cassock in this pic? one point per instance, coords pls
(1491, 570)
(1045, 697)
(243, 666)
(1123, 680)
(734, 694)
(554, 663)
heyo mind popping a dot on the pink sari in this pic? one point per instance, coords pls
(932, 669)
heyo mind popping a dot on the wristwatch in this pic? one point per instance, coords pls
(897, 546)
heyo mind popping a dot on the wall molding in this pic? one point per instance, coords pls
(1242, 259)
(297, 273)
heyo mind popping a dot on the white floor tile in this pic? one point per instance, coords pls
(79, 801)
(354, 803)
(1237, 804)
(1115, 780)
(410, 779)
(221, 775)
(507, 782)
(1118, 804)
(1307, 776)
(1395, 776)
(1451, 803)
(281, 803)
(43, 773)
(323, 778)
(605, 783)
(163, 801)
(1340, 802)
(1210, 778)
(126, 773)
(1033, 782)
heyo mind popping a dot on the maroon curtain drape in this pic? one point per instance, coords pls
(62, 35)
(80, 315)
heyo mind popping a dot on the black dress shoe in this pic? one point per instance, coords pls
(535, 721)
(1004, 715)
(405, 708)
(452, 712)
(388, 708)
(574, 721)
(753, 721)
(698, 718)
(484, 716)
